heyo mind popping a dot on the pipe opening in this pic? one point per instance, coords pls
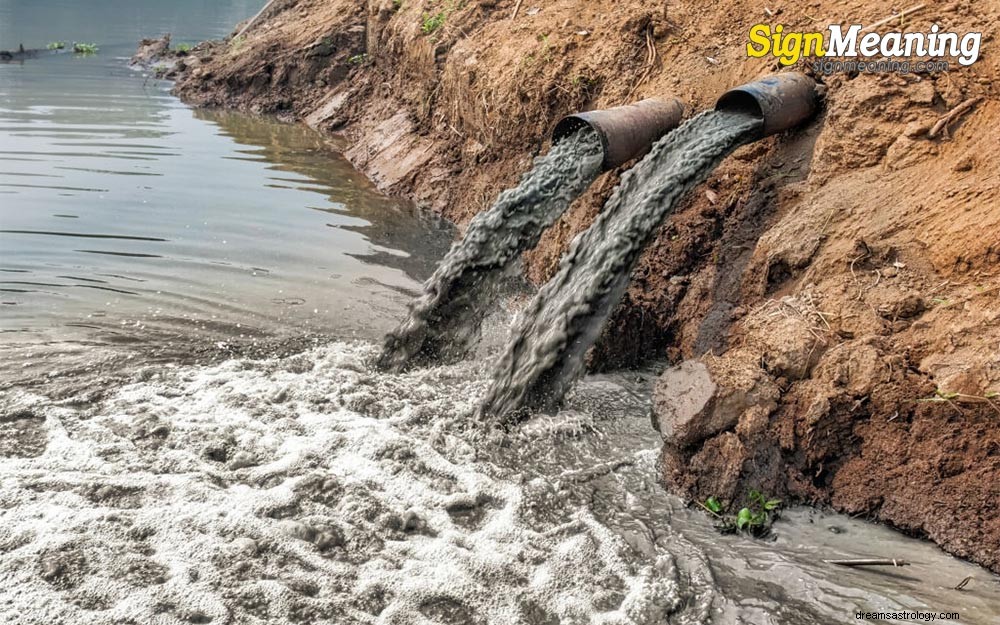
(626, 132)
(781, 101)
(737, 101)
(572, 124)
(566, 127)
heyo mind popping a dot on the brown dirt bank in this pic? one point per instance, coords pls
(839, 283)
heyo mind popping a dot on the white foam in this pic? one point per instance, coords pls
(304, 489)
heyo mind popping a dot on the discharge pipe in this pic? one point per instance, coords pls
(782, 101)
(626, 132)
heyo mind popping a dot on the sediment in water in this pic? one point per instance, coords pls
(447, 315)
(545, 355)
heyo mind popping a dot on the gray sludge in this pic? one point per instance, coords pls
(445, 318)
(546, 351)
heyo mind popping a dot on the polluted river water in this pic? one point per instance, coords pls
(213, 445)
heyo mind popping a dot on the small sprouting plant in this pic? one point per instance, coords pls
(755, 518)
(941, 395)
(432, 22)
(546, 52)
(56, 45)
(85, 48)
(357, 59)
(236, 43)
(183, 47)
(397, 4)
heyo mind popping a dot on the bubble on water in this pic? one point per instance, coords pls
(296, 490)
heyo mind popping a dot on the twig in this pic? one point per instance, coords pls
(951, 116)
(600, 470)
(254, 19)
(869, 562)
(517, 7)
(899, 15)
(709, 510)
(962, 583)
(651, 58)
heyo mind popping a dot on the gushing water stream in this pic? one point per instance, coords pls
(546, 352)
(444, 319)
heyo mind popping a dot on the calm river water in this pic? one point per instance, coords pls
(126, 216)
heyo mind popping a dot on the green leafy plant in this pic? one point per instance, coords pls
(236, 43)
(432, 21)
(85, 48)
(357, 59)
(397, 4)
(183, 47)
(56, 45)
(712, 505)
(755, 518)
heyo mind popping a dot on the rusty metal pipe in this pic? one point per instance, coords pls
(783, 101)
(625, 131)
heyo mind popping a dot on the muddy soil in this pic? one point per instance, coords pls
(849, 268)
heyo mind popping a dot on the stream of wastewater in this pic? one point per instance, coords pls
(191, 430)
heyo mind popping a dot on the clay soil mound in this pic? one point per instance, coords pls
(850, 268)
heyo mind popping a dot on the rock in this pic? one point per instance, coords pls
(151, 51)
(922, 93)
(966, 163)
(790, 345)
(896, 303)
(696, 400)
(243, 546)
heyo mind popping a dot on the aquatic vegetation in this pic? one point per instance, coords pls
(56, 45)
(85, 49)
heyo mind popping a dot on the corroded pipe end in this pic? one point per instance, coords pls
(783, 101)
(625, 131)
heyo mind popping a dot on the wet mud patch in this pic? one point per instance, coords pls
(22, 434)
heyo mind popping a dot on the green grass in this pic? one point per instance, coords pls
(85, 48)
(56, 45)
(432, 22)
